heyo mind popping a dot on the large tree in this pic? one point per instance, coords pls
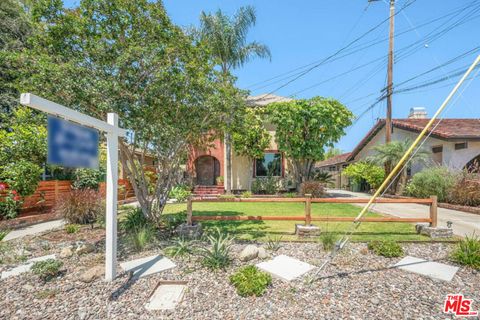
(227, 38)
(127, 57)
(305, 127)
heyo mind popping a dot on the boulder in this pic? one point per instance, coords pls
(85, 248)
(248, 253)
(66, 252)
(92, 274)
(262, 253)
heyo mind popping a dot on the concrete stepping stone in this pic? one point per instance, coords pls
(285, 267)
(25, 267)
(146, 266)
(435, 270)
(166, 295)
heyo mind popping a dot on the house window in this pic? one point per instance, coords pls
(270, 164)
(437, 155)
(332, 168)
(460, 146)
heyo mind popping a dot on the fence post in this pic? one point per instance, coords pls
(56, 192)
(308, 209)
(189, 210)
(433, 211)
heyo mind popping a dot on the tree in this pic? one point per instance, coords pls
(250, 138)
(227, 39)
(371, 173)
(305, 127)
(392, 153)
(332, 152)
(127, 57)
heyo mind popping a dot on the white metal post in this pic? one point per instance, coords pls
(111, 206)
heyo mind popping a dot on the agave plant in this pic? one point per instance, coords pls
(217, 254)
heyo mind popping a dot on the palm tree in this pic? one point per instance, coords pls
(227, 37)
(392, 153)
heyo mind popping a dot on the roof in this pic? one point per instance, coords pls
(341, 158)
(265, 99)
(445, 129)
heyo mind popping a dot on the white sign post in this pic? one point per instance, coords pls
(113, 132)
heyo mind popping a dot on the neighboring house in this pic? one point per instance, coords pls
(205, 165)
(453, 143)
(335, 166)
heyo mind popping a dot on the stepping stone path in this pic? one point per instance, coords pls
(435, 270)
(166, 296)
(25, 267)
(146, 266)
(285, 267)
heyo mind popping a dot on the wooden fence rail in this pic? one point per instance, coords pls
(307, 217)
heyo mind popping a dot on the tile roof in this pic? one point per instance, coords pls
(442, 129)
(333, 160)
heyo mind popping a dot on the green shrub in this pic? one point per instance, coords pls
(180, 193)
(72, 228)
(82, 206)
(246, 194)
(180, 247)
(273, 243)
(328, 240)
(226, 196)
(315, 188)
(435, 181)
(3, 234)
(22, 176)
(10, 204)
(250, 281)
(133, 220)
(386, 248)
(467, 252)
(171, 221)
(217, 254)
(290, 195)
(265, 185)
(140, 237)
(47, 269)
(220, 180)
(87, 178)
(373, 174)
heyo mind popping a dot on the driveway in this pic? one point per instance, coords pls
(463, 223)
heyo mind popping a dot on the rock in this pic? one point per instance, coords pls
(262, 253)
(85, 248)
(92, 274)
(302, 230)
(194, 231)
(66, 252)
(28, 287)
(248, 253)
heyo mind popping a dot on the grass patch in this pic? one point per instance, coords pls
(261, 230)
(328, 240)
(72, 228)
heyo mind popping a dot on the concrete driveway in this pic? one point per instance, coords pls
(463, 223)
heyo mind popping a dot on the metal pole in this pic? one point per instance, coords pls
(388, 122)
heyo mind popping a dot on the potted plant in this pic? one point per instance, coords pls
(220, 181)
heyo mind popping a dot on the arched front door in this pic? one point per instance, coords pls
(207, 169)
(473, 165)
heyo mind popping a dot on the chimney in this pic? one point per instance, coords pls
(417, 113)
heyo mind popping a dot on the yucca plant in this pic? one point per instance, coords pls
(273, 243)
(181, 247)
(217, 254)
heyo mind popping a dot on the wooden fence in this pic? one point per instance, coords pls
(307, 217)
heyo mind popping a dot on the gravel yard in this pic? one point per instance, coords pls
(363, 290)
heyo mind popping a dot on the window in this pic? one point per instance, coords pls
(270, 164)
(460, 146)
(437, 149)
(437, 155)
(332, 168)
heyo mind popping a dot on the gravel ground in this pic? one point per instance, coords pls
(363, 290)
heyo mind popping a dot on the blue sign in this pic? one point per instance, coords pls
(71, 145)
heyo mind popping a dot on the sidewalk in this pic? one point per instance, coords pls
(34, 229)
(463, 223)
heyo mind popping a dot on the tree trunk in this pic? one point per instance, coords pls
(228, 160)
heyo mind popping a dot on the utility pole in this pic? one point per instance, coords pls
(388, 121)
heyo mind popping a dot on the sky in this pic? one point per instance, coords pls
(300, 34)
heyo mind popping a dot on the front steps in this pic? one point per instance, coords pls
(207, 190)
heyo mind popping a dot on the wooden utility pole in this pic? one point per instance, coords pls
(388, 121)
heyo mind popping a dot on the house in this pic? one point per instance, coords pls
(453, 143)
(205, 166)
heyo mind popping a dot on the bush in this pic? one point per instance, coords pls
(81, 206)
(72, 228)
(386, 248)
(134, 219)
(181, 247)
(466, 190)
(323, 176)
(467, 252)
(47, 269)
(373, 174)
(436, 181)
(246, 194)
(328, 240)
(250, 281)
(265, 185)
(10, 204)
(87, 178)
(290, 194)
(315, 188)
(217, 255)
(181, 193)
(140, 237)
(22, 176)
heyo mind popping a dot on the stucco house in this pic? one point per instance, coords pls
(454, 143)
(204, 166)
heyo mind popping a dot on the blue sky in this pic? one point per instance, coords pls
(302, 32)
